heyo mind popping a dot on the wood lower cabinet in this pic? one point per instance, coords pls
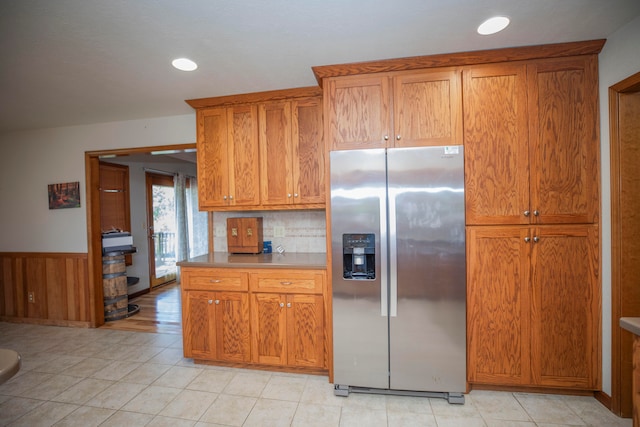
(534, 306)
(272, 317)
(216, 326)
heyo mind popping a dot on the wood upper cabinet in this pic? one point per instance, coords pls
(291, 152)
(216, 326)
(531, 142)
(534, 306)
(404, 109)
(228, 166)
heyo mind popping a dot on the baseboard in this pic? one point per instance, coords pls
(603, 398)
(45, 322)
(139, 293)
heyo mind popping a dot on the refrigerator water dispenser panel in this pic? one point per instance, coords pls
(358, 256)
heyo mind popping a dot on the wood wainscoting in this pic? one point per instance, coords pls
(45, 288)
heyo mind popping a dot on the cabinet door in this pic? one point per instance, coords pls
(244, 169)
(268, 322)
(358, 114)
(566, 307)
(276, 175)
(198, 318)
(564, 140)
(232, 327)
(305, 330)
(427, 109)
(308, 151)
(213, 157)
(498, 295)
(496, 145)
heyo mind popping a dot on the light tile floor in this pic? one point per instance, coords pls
(100, 377)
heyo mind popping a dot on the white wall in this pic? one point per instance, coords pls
(30, 160)
(619, 59)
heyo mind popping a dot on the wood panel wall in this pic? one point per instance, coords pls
(59, 283)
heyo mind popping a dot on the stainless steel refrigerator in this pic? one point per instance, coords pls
(398, 261)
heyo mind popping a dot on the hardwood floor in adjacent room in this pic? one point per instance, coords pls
(160, 311)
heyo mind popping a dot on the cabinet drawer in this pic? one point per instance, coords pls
(217, 279)
(288, 281)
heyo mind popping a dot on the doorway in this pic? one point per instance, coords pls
(94, 226)
(161, 220)
(624, 108)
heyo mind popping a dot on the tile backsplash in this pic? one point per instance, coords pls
(297, 231)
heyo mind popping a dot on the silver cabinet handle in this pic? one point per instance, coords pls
(527, 239)
(386, 137)
(398, 137)
(214, 281)
(217, 301)
(525, 213)
(286, 283)
(288, 305)
(536, 213)
(295, 194)
(288, 194)
(281, 304)
(230, 197)
(536, 239)
(224, 197)
(210, 301)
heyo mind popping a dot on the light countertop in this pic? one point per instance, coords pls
(631, 324)
(297, 260)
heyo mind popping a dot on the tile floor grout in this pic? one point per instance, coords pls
(100, 377)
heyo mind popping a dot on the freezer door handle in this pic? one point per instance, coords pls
(384, 295)
(393, 256)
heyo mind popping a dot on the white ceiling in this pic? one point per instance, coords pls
(67, 62)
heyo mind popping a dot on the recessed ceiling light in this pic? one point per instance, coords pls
(493, 25)
(184, 64)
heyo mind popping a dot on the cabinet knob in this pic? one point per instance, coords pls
(210, 301)
(386, 137)
(295, 194)
(224, 197)
(217, 301)
(230, 197)
(525, 213)
(281, 304)
(398, 137)
(536, 212)
(288, 305)
(536, 239)
(288, 194)
(527, 239)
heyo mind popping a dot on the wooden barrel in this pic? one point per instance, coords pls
(114, 287)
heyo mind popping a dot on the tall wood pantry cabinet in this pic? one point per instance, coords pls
(532, 207)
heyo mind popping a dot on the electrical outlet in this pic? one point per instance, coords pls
(32, 297)
(278, 231)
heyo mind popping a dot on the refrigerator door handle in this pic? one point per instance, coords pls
(384, 294)
(393, 255)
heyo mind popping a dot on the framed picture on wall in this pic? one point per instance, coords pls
(64, 195)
